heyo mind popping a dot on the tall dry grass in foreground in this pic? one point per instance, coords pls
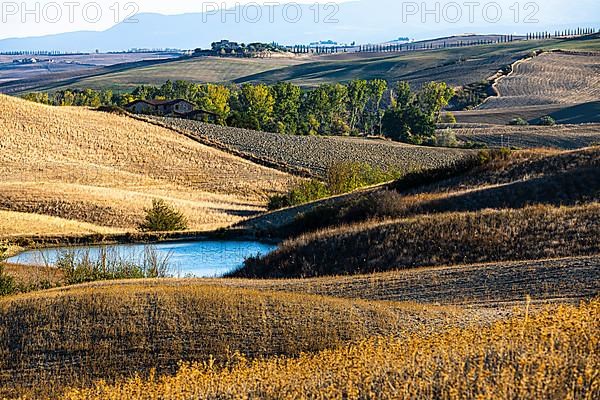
(74, 336)
(552, 355)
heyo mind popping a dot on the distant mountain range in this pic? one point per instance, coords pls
(358, 21)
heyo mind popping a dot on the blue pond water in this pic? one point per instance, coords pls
(202, 259)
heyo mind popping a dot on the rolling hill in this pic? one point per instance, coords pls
(566, 137)
(529, 206)
(75, 336)
(457, 66)
(550, 78)
(103, 170)
(314, 155)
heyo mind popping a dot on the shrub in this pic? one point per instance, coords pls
(112, 110)
(347, 177)
(341, 178)
(82, 267)
(547, 121)
(487, 156)
(302, 193)
(446, 138)
(448, 118)
(7, 283)
(163, 217)
(518, 122)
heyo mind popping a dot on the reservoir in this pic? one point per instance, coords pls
(201, 259)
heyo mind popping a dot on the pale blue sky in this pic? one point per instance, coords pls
(19, 21)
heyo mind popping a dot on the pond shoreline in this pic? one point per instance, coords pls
(25, 243)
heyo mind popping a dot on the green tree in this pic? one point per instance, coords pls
(42, 98)
(376, 89)
(106, 97)
(358, 95)
(145, 92)
(433, 97)
(215, 98)
(167, 90)
(287, 107)
(254, 106)
(163, 217)
(326, 104)
(411, 117)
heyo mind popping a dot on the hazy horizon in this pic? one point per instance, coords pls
(342, 21)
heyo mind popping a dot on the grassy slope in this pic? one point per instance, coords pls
(417, 229)
(103, 169)
(77, 335)
(489, 284)
(202, 69)
(527, 177)
(485, 236)
(456, 66)
(551, 355)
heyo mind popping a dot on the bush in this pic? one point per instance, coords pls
(446, 138)
(518, 122)
(112, 110)
(347, 177)
(487, 156)
(448, 118)
(7, 283)
(163, 217)
(302, 193)
(341, 178)
(547, 121)
(82, 267)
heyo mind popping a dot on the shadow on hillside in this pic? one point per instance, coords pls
(565, 188)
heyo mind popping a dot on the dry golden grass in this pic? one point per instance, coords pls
(530, 233)
(491, 284)
(524, 178)
(76, 335)
(551, 355)
(104, 169)
(34, 276)
(15, 223)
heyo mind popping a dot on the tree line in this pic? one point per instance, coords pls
(359, 107)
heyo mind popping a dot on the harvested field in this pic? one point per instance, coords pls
(567, 137)
(317, 154)
(550, 78)
(585, 113)
(104, 169)
(48, 68)
(77, 335)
